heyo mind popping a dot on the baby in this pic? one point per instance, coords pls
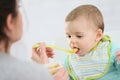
(96, 54)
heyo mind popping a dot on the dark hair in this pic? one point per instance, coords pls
(91, 12)
(6, 7)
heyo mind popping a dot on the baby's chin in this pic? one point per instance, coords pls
(79, 53)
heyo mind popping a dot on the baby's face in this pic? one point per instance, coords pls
(82, 35)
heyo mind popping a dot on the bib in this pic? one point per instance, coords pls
(93, 65)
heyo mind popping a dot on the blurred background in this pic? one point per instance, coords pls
(44, 22)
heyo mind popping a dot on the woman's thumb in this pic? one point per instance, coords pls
(43, 54)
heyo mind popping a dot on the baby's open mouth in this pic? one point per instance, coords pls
(76, 50)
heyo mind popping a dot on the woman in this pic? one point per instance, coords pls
(10, 32)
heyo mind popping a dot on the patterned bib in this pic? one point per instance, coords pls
(93, 65)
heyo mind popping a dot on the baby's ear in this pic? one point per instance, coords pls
(99, 34)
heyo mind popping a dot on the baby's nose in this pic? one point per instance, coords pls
(73, 44)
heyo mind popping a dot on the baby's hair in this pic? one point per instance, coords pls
(88, 11)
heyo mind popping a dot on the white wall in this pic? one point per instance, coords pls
(45, 21)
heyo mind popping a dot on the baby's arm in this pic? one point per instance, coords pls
(118, 56)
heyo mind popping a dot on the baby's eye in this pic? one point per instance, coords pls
(79, 36)
(68, 36)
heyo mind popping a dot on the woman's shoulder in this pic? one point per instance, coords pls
(16, 69)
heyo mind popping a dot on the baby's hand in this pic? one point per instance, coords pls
(118, 56)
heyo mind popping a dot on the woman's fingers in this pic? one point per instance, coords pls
(35, 57)
(50, 52)
(61, 74)
(49, 49)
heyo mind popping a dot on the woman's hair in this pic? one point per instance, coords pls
(88, 11)
(6, 7)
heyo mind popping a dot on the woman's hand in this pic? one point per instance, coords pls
(41, 54)
(61, 74)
